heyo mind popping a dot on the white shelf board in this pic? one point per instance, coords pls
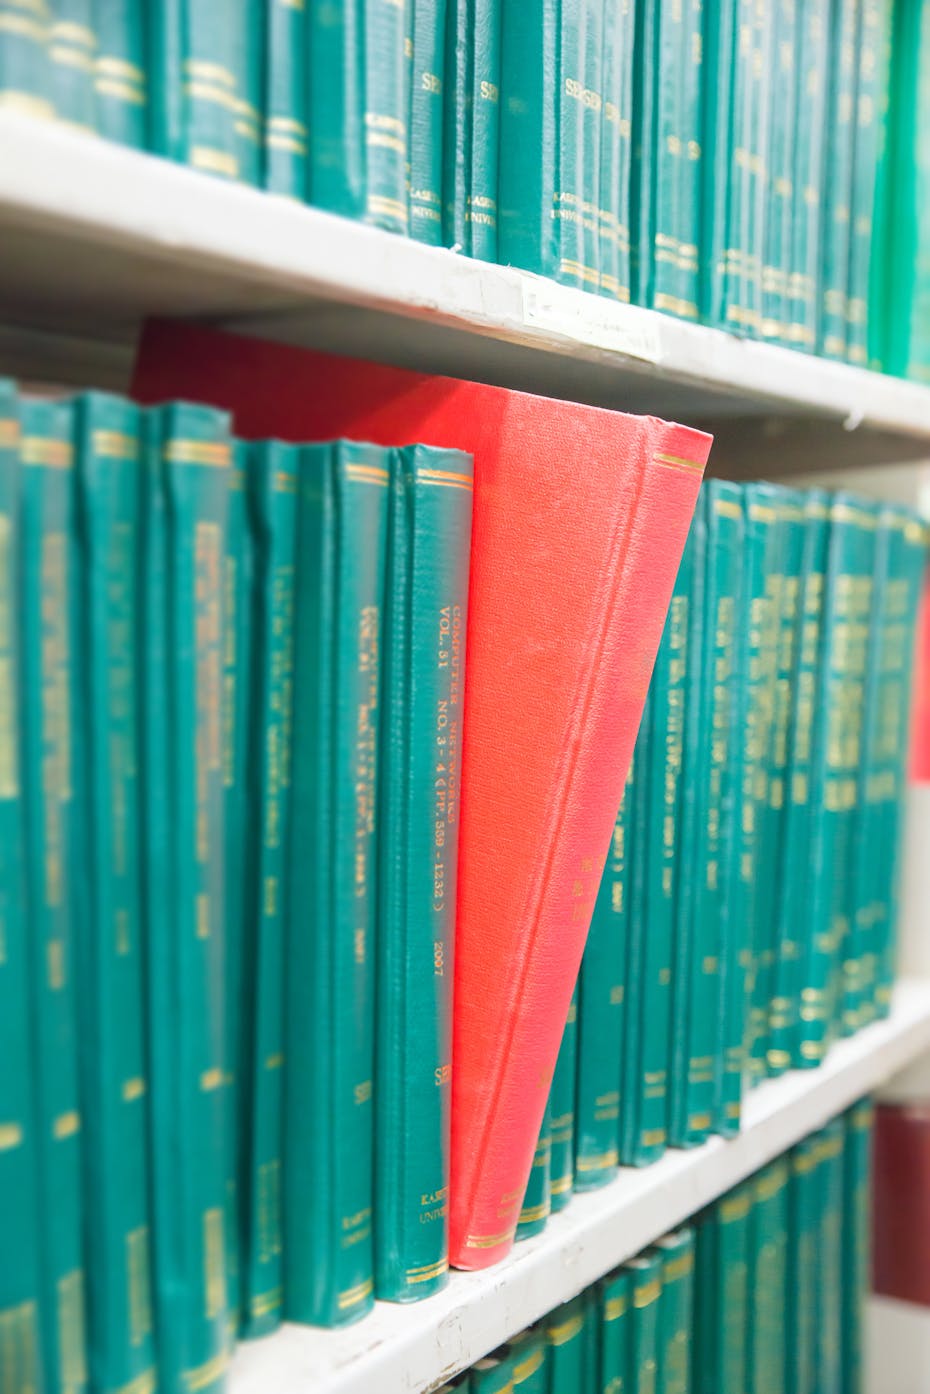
(412, 1349)
(94, 237)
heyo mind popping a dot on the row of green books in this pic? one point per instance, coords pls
(746, 915)
(762, 1293)
(231, 683)
(732, 162)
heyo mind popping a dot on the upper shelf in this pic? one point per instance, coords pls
(94, 237)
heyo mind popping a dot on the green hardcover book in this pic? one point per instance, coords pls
(530, 1354)
(247, 23)
(837, 748)
(791, 901)
(637, 799)
(191, 85)
(578, 126)
(856, 1240)
(19, 1209)
(614, 1295)
(237, 811)
(428, 83)
(562, 1113)
(182, 584)
(614, 195)
(272, 474)
(838, 178)
(662, 1011)
(804, 1293)
(904, 588)
(675, 1311)
(528, 230)
(383, 35)
(644, 1330)
(690, 173)
(732, 1289)
(722, 676)
(25, 70)
(667, 68)
(493, 1374)
(601, 1021)
(830, 1268)
(485, 74)
(72, 50)
(46, 588)
(537, 1200)
(644, 121)
(120, 81)
(768, 1274)
(456, 130)
(570, 1330)
(421, 733)
(342, 513)
(760, 81)
(738, 252)
(286, 99)
(121, 1348)
(812, 21)
(719, 38)
(872, 59)
(779, 211)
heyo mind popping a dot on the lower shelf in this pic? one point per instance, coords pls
(409, 1350)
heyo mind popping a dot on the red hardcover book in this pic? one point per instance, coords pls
(580, 517)
(901, 1204)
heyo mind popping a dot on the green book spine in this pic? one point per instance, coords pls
(537, 1200)
(248, 104)
(562, 1113)
(768, 1257)
(336, 99)
(19, 1208)
(720, 29)
(120, 82)
(286, 99)
(428, 84)
(803, 1287)
(643, 116)
(671, 718)
(237, 666)
(738, 253)
(791, 530)
(804, 271)
(427, 596)
(493, 1374)
(675, 1312)
(665, 172)
(690, 173)
(613, 196)
(856, 1239)
(47, 565)
(830, 1268)
(732, 1289)
(872, 58)
(644, 1333)
(530, 1354)
(528, 228)
(907, 565)
(760, 79)
(781, 154)
(272, 474)
(338, 607)
(791, 904)
(385, 112)
(72, 50)
(636, 798)
(614, 1295)
(569, 1332)
(834, 785)
(457, 113)
(485, 72)
(182, 583)
(25, 70)
(601, 1021)
(208, 78)
(706, 1343)
(721, 662)
(113, 1054)
(578, 120)
(837, 182)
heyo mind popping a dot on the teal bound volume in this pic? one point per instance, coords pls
(616, 140)
(804, 1296)
(385, 111)
(856, 1239)
(665, 62)
(342, 512)
(570, 1332)
(19, 1144)
(484, 130)
(528, 230)
(768, 1255)
(780, 204)
(428, 93)
(837, 180)
(493, 1374)
(562, 1114)
(675, 1311)
(804, 271)
(690, 159)
(336, 106)
(456, 132)
(418, 807)
(613, 1349)
(537, 1200)
(192, 85)
(529, 1353)
(636, 796)
(874, 62)
(25, 71)
(72, 49)
(114, 1065)
(271, 483)
(645, 1315)
(830, 1254)
(286, 100)
(182, 582)
(120, 79)
(46, 580)
(718, 45)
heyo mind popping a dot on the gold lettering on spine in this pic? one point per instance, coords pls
(214, 1261)
(138, 1285)
(19, 1366)
(208, 754)
(55, 730)
(72, 1355)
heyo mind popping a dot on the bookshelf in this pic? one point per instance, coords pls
(95, 237)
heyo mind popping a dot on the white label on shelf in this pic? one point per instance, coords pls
(589, 319)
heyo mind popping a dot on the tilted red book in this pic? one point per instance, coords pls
(901, 1202)
(580, 517)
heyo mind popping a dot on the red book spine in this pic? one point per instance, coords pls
(901, 1205)
(580, 517)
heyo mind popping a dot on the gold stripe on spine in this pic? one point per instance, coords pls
(197, 452)
(423, 1275)
(532, 1213)
(558, 1335)
(662, 458)
(529, 1366)
(11, 1135)
(45, 450)
(647, 1294)
(66, 1125)
(9, 432)
(115, 445)
(352, 1296)
(615, 1308)
(489, 1241)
